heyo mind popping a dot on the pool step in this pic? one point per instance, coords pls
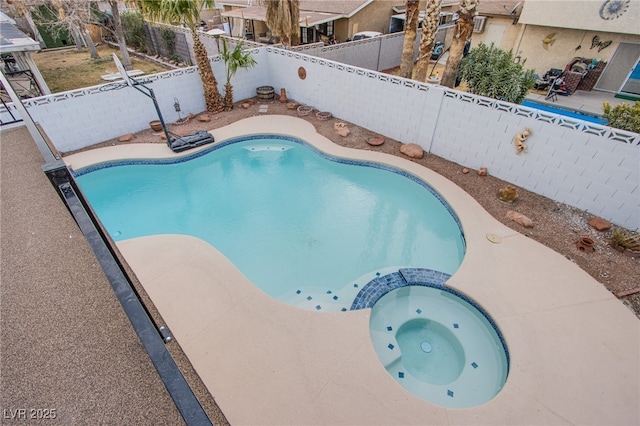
(381, 285)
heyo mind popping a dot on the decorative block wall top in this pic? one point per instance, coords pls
(547, 117)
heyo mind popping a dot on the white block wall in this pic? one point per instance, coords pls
(81, 118)
(594, 172)
(591, 167)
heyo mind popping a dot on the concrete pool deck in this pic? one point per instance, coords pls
(574, 348)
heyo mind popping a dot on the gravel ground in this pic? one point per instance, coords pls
(556, 225)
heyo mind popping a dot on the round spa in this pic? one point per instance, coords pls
(439, 345)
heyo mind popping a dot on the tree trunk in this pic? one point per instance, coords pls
(77, 37)
(32, 25)
(212, 96)
(429, 30)
(228, 96)
(89, 41)
(410, 30)
(464, 28)
(124, 53)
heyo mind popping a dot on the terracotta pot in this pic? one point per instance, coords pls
(155, 125)
(585, 244)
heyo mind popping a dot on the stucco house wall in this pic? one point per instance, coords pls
(582, 15)
(565, 46)
(573, 29)
(373, 17)
(494, 26)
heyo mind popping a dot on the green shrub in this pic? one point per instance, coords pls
(490, 71)
(133, 26)
(169, 39)
(623, 116)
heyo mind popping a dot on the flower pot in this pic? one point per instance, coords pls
(375, 140)
(304, 110)
(155, 125)
(265, 92)
(585, 244)
(323, 115)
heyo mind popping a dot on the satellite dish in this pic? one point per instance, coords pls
(123, 72)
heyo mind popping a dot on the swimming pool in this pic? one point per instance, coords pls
(566, 112)
(301, 225)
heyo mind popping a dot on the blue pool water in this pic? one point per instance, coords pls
(565, 112)
(296, 222)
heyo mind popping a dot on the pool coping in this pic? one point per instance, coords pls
(268, 363)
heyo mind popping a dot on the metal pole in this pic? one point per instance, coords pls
(28, 121)
(151, 95)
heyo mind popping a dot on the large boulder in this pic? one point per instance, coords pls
(126, 138)
(412, 150)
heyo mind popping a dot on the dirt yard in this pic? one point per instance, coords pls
(69, 69)
(556, 225)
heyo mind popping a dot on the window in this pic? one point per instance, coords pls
(478, 24)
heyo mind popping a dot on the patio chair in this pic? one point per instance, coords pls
(548, 78)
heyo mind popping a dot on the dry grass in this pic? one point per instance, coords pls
(69, 69)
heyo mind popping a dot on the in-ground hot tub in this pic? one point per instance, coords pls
(439, 345)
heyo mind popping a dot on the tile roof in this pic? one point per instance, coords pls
(342, 7)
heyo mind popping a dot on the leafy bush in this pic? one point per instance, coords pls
(490, 71)
(169, 39)
(623, 116)
(133, 26)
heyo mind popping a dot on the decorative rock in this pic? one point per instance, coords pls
(412, 150)
(519, 218)
(375, 140)
(341, 129)
(482, 171)
(126, 138)
(600, 224)
(465, 171)
(204, 118)
(246, 105)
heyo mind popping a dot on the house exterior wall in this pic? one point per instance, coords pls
(591, 167)
(563, 49)
(508, 39)
(373, 17)
(341, 29)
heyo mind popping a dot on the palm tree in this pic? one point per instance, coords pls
(410, 29)
(464, 28)
(283, 19)
(429, 30)
(188, 12)
(234, 60)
